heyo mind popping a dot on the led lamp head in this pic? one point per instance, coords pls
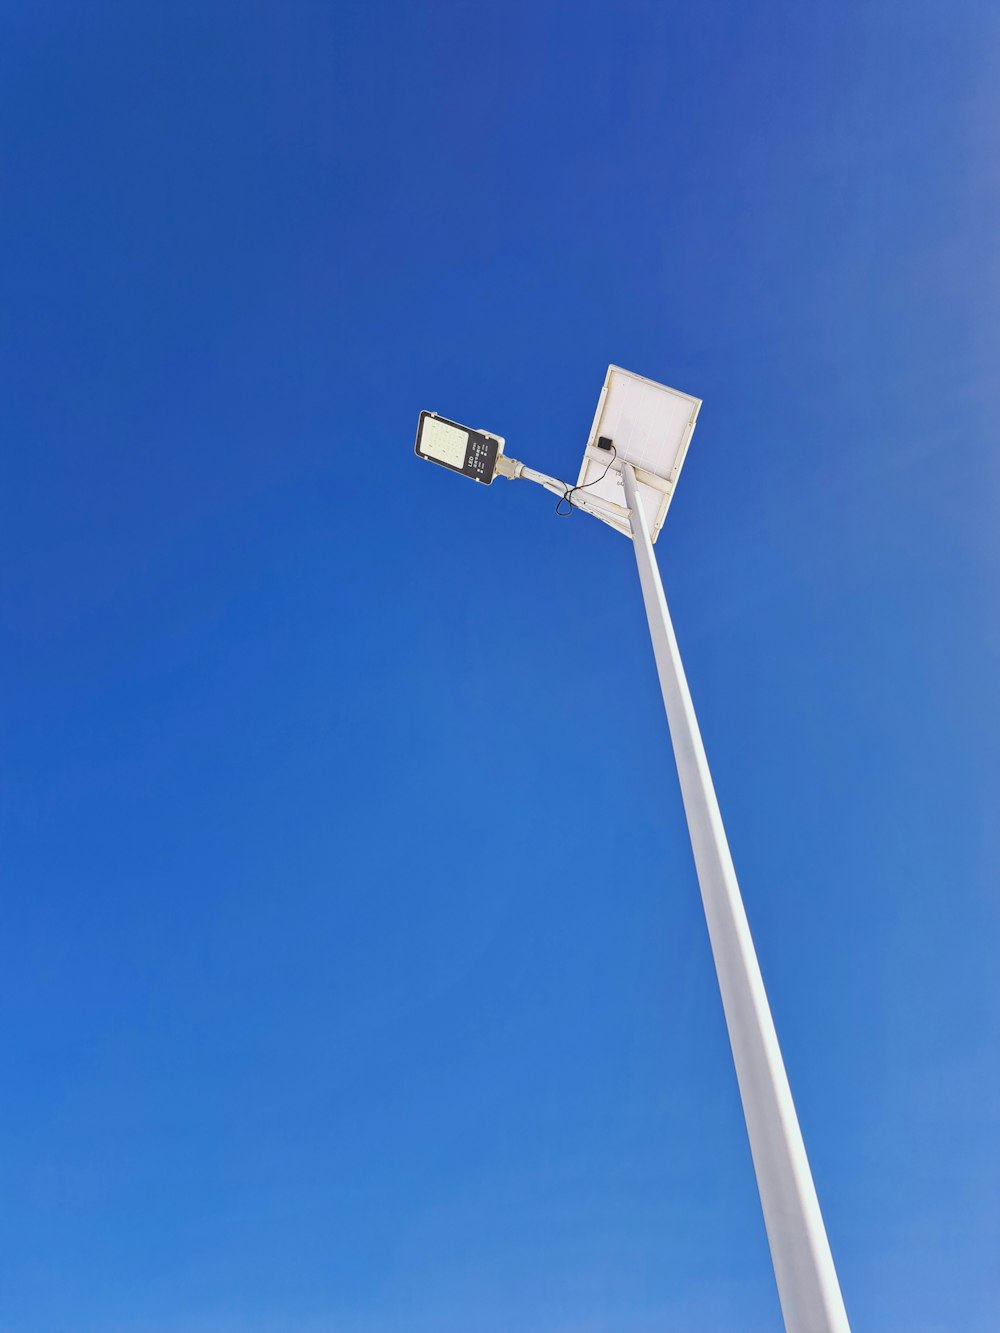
(473, 453)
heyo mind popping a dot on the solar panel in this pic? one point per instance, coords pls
(650, 426)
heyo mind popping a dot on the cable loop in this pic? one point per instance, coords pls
(567, 495)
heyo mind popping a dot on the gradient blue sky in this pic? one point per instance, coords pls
(354, 978)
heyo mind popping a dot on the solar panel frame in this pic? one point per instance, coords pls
(651, 426)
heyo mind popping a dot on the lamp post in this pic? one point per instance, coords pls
(641, 431)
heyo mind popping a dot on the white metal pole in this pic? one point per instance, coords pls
(803, 1265)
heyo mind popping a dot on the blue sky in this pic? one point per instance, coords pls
(354, 978)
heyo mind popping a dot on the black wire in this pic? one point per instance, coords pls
(567, 496)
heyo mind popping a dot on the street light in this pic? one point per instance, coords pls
(631, 462)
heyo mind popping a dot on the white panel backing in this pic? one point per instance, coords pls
(650, 426)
